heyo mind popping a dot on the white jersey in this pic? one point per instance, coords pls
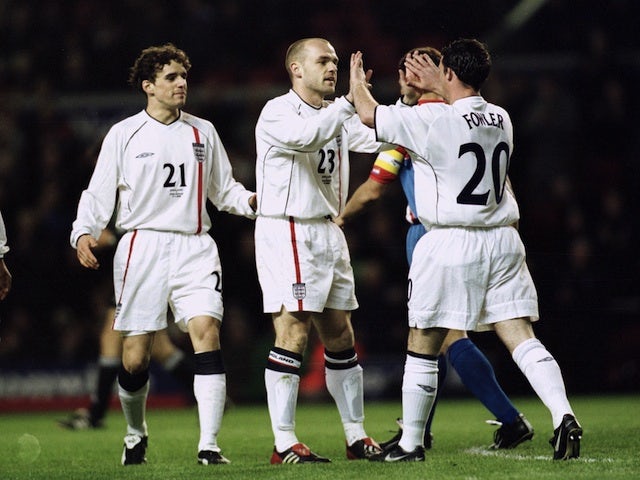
(3, 238)
(302, 166)
(163, 175)
(462, 153)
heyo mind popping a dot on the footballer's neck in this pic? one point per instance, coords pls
(163, 114)
(310, 96)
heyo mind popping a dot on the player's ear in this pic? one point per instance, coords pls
(296, 69)
(448, 73)
(147, 87)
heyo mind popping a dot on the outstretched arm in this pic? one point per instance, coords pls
(359, 89)
(365, 195)
(385, 170)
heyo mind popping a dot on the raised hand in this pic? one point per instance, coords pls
(422, 73)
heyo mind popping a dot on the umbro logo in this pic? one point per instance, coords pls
(427, 388)
(545, 359)
(145, 155)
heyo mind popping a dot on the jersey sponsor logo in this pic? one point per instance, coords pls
(299, 290)
(145, 155)
(198, 151)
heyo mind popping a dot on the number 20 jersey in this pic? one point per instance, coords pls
(462, 154)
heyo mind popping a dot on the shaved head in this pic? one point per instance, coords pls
(297, 51)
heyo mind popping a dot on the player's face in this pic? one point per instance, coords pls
(170, 86)
(320, 68)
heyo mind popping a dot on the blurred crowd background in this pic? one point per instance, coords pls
(564, 70)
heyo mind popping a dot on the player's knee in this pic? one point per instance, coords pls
(132, 381)
(337, 341)
(135, 366)
(452, 337)
(204, 333)
(292, 332)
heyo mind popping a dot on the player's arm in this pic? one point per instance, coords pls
(84, 251)
(385, 170)
(5, 280)
(224, 191)
(98, 201)
(3, 238)
(5, 275)
(509, 187)
(359, 89)
(280, 125)
(365, 195)
(87, 244)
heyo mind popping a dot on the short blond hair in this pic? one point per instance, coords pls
(296, 52)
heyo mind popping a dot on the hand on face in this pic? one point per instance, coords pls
(410, 95)
(422, 73)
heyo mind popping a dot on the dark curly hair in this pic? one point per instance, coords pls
(152, 60)
(469, 59)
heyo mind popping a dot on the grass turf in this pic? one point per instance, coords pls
(34, 447)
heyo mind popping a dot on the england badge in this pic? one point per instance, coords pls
(198, 151)
(299, 290)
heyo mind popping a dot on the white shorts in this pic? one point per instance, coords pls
(155, 270)
(469, 279)
(303, 265)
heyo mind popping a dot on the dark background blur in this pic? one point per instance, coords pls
(565, 71)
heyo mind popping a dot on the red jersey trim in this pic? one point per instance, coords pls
(126, 269)
(296, 258)
(429, 100)
(196, 134)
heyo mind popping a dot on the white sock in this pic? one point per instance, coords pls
(134, 405)
(544, 375)
(282, 398)
(346, 388)
(419, 387)
(211, 393)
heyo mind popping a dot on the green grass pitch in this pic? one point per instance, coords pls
(34, 447)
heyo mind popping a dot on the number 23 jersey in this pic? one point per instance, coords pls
(462, 155)
(302, 162)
